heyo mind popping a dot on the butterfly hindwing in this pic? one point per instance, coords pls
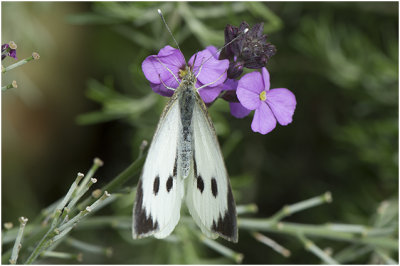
(209, 195)
(159, 192)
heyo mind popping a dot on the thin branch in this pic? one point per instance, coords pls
(17, 244)
(35, 56)
(80, 245)
(310, 246)
(324, 231)
(302, 205)
(237, 257)
(62, 255)
(272, 244)
(12, 85)
(245, 209)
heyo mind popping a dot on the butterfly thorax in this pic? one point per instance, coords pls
(186, 97)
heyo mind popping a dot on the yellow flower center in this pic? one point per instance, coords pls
(263, 95)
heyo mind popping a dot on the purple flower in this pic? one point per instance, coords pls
(9, 49)
(270, 105)
(155, 69)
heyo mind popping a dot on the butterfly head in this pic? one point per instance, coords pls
(187, 74)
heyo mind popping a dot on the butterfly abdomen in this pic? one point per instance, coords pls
(185, 148)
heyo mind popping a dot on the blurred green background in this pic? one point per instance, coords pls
(87, 97)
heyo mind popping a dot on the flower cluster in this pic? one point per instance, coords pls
(9, 49)
(218, 75)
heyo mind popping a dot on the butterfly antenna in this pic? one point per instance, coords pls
(234, 39)
(166, 25)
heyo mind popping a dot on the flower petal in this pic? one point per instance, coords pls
(213, 70)
(265, 75)
(213, 50)
(230, 84)
(155, 66)
(263, 120)
(238, 111)
(160, 89)
(209, 94)
(282, 103)
(249, 88)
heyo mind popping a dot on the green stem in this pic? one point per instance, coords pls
(132, 169)
(310, 246)
(302, 205)
(324, 231)
(10, 86)
(17, 244)
(21, 62)
(237, 257)
(42, 245)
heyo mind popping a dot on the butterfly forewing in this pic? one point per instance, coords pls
(159, 192)
(209, 196)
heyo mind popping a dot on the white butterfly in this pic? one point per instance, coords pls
(184, 162)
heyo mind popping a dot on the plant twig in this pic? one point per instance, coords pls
(302, 205)
(17, 244)
(80, 245)
(310, 246)
(315, 230)
(272, 244)
(244, 209)
(34, 56)
(116, 182)
(10, 86)
(385, 257)
(237, 257)
(62, 255)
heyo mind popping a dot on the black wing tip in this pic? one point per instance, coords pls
(142, 225)
(226, 226)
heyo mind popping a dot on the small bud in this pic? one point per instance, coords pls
(98, 162)
(279, 226)
(79, 257)
(96, 193)
(8, 225)
(235, 69)
(12, 45)
(107, 194)
(328, 197)
(143, 145)
(23, 220)
(328, 251)
(81, 175)
(35, 56)
(88, 209)
(109, 252)
(93, 180)
(14, 84)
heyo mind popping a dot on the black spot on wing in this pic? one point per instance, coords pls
(214, 187)
(226, 226)
(143, 224)
(156, 185)
(200, 184)
(169, 183)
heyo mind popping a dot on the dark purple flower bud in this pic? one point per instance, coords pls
(4, 48)
(9, 49)
(235, 69)
(251, 48)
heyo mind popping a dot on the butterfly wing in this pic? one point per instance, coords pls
(209, 196)
(159, 193)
